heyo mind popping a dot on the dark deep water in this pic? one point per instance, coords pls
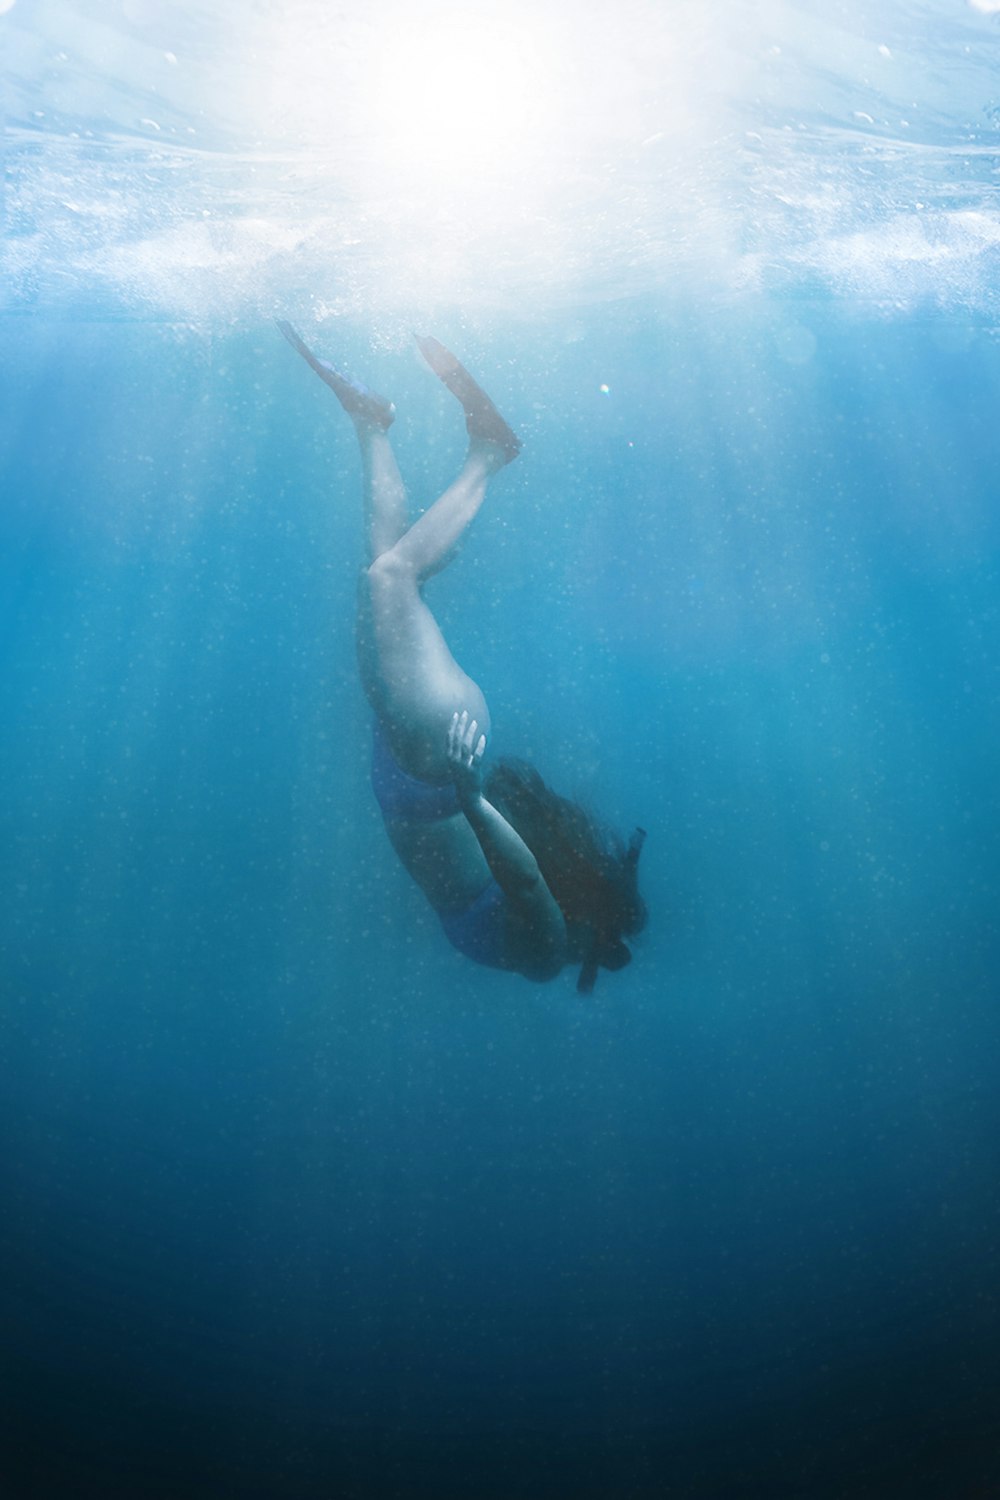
(296, 1201)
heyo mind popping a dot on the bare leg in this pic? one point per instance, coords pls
(427, 546)
(429, 542)
(386, 513)
(409, 675)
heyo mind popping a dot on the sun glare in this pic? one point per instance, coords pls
(457, 93)
(444, 144)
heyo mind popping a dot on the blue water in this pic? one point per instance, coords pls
(296, 1201)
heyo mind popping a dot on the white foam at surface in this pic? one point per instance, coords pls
(184, 165)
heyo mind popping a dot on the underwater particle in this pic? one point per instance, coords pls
(953, 338)
(5, 6)
(795, 344)
(605, 390)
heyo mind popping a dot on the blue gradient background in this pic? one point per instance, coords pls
(299, 1203)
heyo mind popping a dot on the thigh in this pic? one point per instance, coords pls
(408, 672)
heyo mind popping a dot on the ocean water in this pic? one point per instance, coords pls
(296, 1202)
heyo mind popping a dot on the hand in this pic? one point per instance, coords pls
(465, 756)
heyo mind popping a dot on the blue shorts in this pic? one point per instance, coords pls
(477, 930)
(401, 795)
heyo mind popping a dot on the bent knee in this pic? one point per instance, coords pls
(391, 566)
(390, 573)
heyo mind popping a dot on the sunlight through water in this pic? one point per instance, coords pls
(459, 93)
(232, 160)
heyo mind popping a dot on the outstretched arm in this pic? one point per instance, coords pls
(533, 910)
(511, 862)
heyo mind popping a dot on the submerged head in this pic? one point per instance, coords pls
(624, 912)
(592, 874)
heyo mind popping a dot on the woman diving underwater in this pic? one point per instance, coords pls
(521, 878)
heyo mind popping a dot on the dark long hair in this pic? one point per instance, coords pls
(591, 872)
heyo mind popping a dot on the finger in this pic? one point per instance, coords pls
(452, 736)
(469, 738)
(480, 749)
(458, 724)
